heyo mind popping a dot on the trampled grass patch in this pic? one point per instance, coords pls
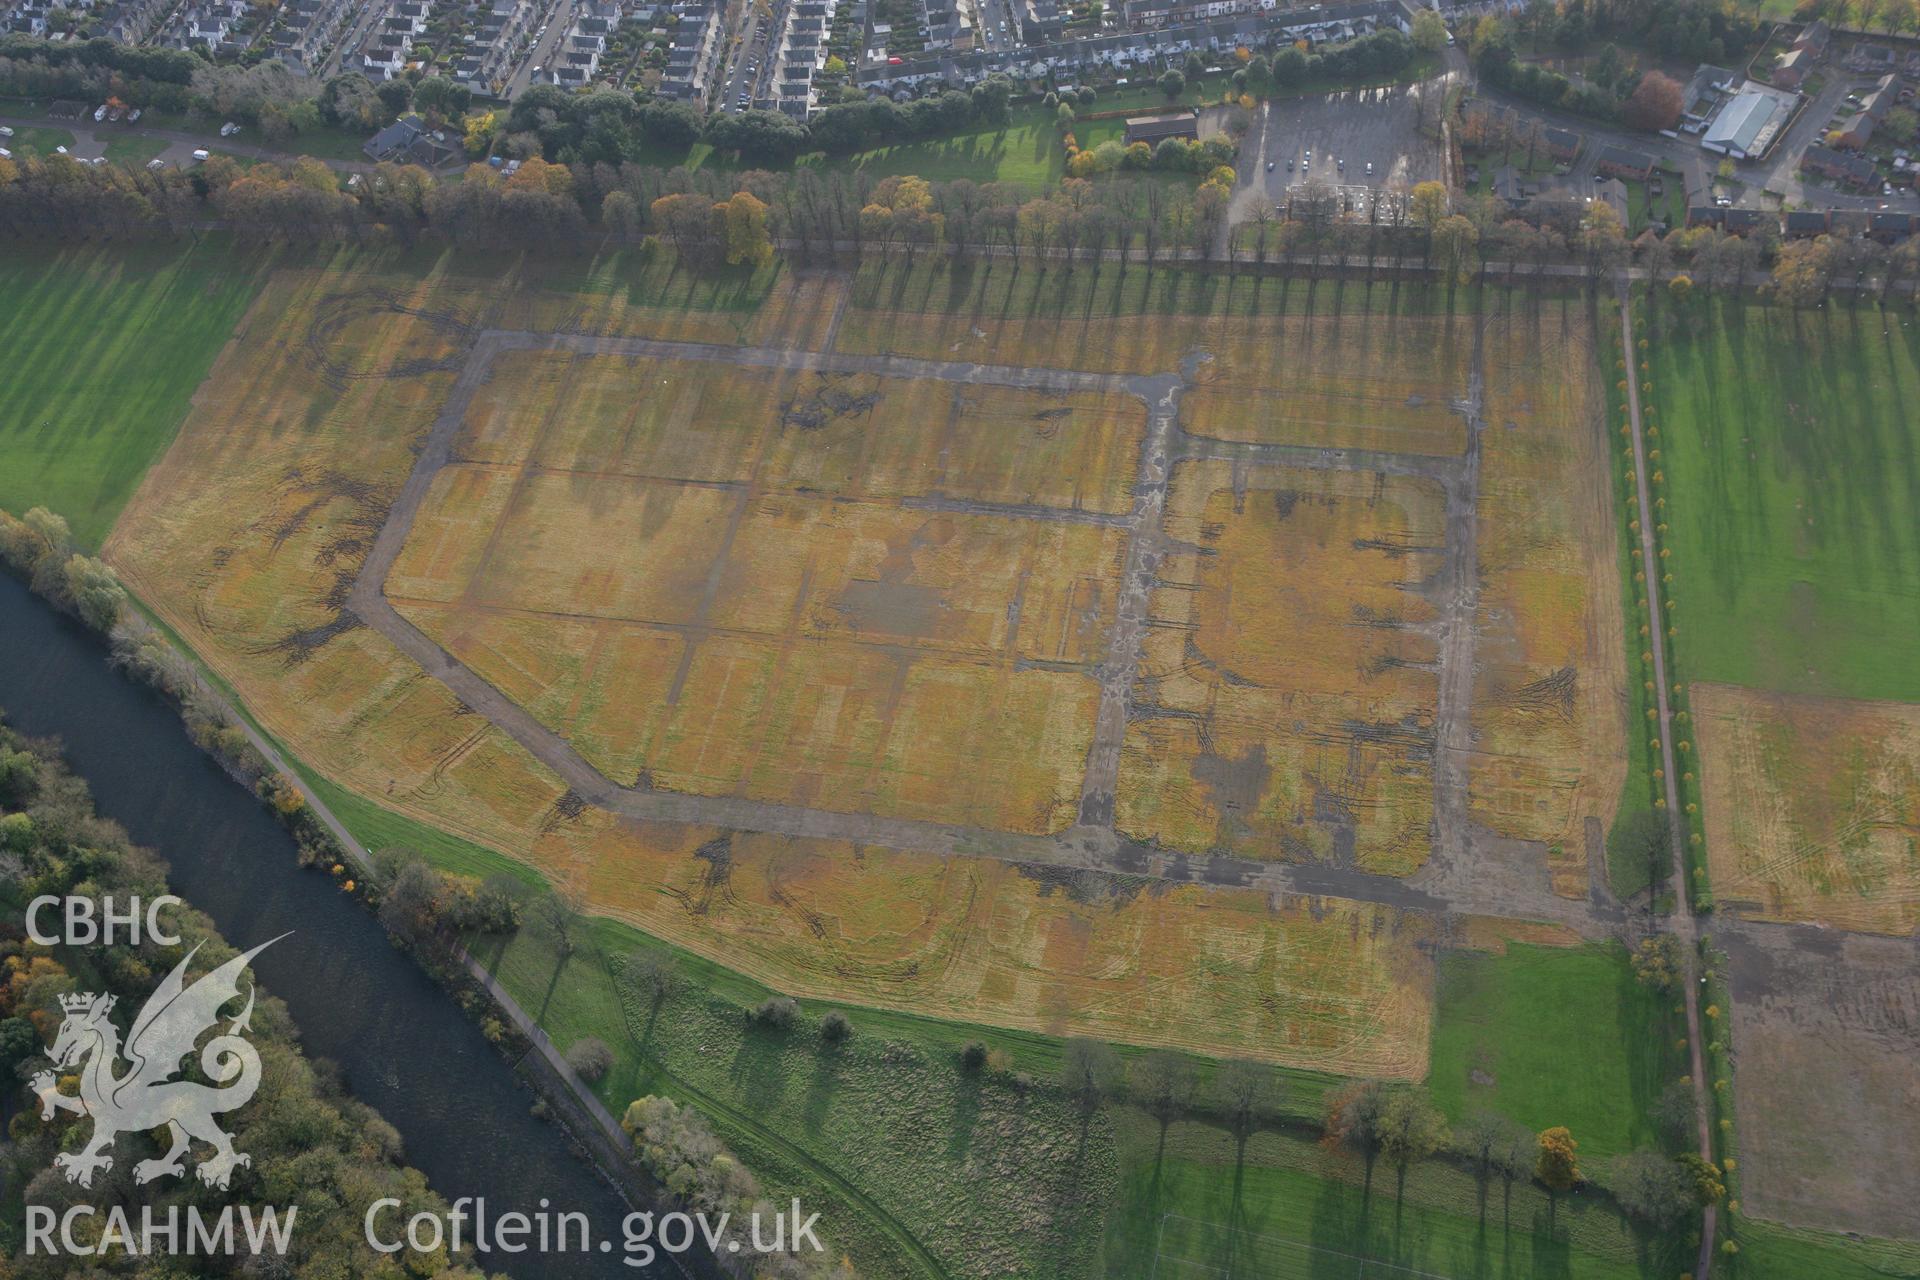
(1547, 761)
(1554, 1036)
(1791, 453)
(99, 355)
(1812, 806)
(1267, 723)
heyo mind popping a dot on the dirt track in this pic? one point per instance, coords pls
(1448, 884)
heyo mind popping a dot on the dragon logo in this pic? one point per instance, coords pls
(146, 1096)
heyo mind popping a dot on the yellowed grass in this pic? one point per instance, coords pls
(1338, 986)
(818, 674)
(1548, 706)
(1354, 381)
(1283, 709)
(1812, 806)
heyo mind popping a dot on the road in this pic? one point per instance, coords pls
(90, 140)
(557, 19)
(1681, 923)
(747, 63)
(999, 28)
(346, 50)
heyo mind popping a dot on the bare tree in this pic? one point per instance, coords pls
(1089, 1071)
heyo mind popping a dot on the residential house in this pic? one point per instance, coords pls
(1813, 39)
(1805, 224)
(395, 142)
(1791, 70)
(1834, 166)
(1618, 162)
(1613, 193)
(1857, 130)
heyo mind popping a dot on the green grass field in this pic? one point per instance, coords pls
(99, 355)
(1791, 447)
(1291, 1210)
(39, 139)
(1553, 1035)
(1026, 151)
(135, 148)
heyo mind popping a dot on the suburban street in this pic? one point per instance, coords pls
(558, 18)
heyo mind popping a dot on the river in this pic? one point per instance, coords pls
(406, 1049)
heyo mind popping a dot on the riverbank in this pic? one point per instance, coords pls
(401, 1045)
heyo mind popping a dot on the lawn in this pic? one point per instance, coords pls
(39, 140)
(1554, 1036)
(99, 355)
(1026, 151)
(1793, 482)
(135, 148)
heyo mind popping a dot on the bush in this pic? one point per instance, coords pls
(973, 1057)
(834, 1028)
(591, 1059)
(777, 1012)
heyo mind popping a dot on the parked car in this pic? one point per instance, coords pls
(228, 129)
(6, 131)
(59, 151)
(156, 164)
(5, 154)
(100, 113)
(200, 155)
(133, 116)
(1369, 168)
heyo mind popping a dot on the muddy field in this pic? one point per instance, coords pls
(1826, 1027)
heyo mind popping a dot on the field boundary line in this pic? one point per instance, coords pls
(1361, 1262)
(1683, 922)
(1092, 841)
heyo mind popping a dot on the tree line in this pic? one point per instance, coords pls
(312, 1145)
(1614, 86)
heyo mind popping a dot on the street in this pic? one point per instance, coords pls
(546, 48)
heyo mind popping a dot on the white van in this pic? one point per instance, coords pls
(200, 155)
(6, 131)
